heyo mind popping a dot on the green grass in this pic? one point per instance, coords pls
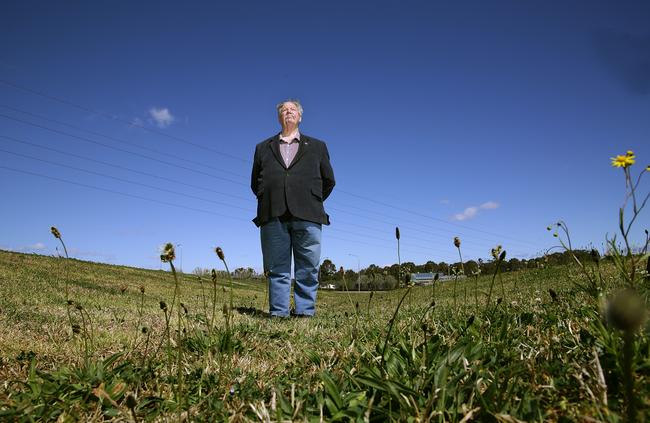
(528, 357)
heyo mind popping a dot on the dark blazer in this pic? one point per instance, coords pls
(300, 188)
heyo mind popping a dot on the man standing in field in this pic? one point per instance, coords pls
(291, 179)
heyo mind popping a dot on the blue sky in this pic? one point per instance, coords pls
(127, 125)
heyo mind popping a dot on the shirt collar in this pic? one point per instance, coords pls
(295, 135)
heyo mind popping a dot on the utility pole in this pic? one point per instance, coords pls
(180, 246)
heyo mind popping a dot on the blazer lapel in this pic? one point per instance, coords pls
(275, 147)
(302, 148)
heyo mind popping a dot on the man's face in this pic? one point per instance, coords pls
(289, 114)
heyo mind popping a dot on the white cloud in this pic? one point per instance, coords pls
(490, 205)
(39, 246)
(468, 213)
(444, 201)
(162, 117)
(471, 212)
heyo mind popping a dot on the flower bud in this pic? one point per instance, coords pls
(470, 320)
(457, 242)
(595, 255)
(397, 232)
(219, 252)
(55, 232)
(626, 311)
(131, 402)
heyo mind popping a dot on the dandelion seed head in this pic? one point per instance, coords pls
(55, 232)
(168, 254)
(496, 251)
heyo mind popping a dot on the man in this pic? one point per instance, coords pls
(291, 178)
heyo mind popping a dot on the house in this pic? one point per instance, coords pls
(428, 278)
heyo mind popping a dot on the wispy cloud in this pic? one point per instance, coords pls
(444, 201)
(472, 211)
(92, 254)
(490, 205)
(162, 117)
(39, 246)
(468, 213)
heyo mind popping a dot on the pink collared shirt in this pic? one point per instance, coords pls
(289, 146)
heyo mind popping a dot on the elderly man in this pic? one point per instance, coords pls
(291, 178)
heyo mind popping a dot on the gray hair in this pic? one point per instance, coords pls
(291, 100)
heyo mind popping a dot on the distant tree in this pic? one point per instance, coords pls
(351, 278)
(200, 271)
(327, 270)
(471, 267)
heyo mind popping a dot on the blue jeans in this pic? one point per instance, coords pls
(280, 238)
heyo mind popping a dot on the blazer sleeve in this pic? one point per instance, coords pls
(256, 171)
(327, 173)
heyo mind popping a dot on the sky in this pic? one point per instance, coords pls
(131, 124)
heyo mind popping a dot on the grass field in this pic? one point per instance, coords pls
(115, 352)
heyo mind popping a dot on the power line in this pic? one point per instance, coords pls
(84, 139)
(117, 118)
(91, 172)
(164, 178)
(88, 140)
(429, 217)
(402, 225)
(166, 203)
(118, 140)
(12, 139)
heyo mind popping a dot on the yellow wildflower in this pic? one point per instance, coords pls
(623, 161)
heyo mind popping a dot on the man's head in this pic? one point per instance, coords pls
(289, 113)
